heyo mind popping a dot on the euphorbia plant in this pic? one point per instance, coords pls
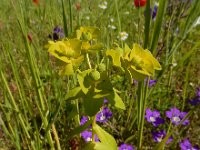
(94, 83)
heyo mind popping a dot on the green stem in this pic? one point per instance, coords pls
(70, 15)
(88, 61)
(138, 25)
(185, 84)
(93, 124)
(56, 137)
(143, 108)
(139, 101)
(147, 24)
(170, 75)
(24, 127)
(118, 19)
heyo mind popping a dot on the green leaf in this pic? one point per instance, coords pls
(116, 100)
(89, 146)
(103, 146)
(74, 93)
(91, 104)
(97, 146)
(84, 80)
(64, 19)
(107, 141)
(158, 24)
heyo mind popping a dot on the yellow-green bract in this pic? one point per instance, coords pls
(136, 62)
(69, 52)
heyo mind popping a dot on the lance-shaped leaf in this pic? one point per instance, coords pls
(107, 141)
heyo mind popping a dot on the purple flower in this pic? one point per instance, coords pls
(125, 147)
(155, 8)
(154, 117)
(176, 116)
(198, 92)
(196, 100)
(158, 136)
(152, 82)
(57, 34)
(103, 115)
(84, 119)
(154, 12)
(186, 145)
(87, 136)
(105, 101)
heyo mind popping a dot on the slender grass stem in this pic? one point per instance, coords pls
(138, 25)
(93, 124)
(56, 137)
(24, 127)
(118, 19)
(144, 89)
(70, 16)
(185, 84)
(88, 61)
(147, 24)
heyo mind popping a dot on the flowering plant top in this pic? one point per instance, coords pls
(136, 62)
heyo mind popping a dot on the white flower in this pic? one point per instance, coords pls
(126, 13)
(197, 22)
(112, 27)
(87, 17)
(103, 5)
(123, 35)
(112, 19)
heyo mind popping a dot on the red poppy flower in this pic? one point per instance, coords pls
(139, 3)
(36, 2)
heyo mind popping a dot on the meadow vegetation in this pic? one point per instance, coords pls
(100, 75)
